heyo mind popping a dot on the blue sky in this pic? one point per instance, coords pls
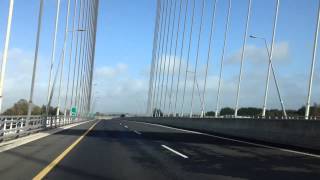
(124, 47)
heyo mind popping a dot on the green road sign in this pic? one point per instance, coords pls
(74, 111)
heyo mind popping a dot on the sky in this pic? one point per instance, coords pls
(124, 52)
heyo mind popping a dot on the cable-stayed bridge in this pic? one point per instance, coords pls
(188, 132)
(184, 38)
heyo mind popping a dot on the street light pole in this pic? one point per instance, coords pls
(5, 52)
(274, 75)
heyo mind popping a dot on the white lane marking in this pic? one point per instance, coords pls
(174, 151)
(234, 140)
(126, 127)
(137, 132)
(120, 124)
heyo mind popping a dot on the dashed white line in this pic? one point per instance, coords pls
(234, 140)
(137, 132)
(126, 127)
(174, 151)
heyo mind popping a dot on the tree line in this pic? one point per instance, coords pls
(21, 108)
(253, 111)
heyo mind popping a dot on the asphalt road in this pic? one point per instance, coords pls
(118, 149)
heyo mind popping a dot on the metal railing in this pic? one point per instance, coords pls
(17, 126)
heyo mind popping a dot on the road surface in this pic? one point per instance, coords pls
(120, 150)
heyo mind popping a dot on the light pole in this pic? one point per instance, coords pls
(54, 81)
(5, 52)
(273, 73)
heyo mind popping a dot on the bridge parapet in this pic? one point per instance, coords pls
(295, 133)
(16, 126)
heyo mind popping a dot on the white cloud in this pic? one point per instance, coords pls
(257, 55)
(18, 75)
(112, 72)
(119, 90)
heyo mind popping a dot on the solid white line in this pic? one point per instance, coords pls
(174, 151)
(137, 132)
(234, 140)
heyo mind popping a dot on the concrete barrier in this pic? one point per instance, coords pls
(295, 133)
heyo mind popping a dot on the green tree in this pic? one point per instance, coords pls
(249, 111)
(21, 108)
(226, 111)
(210, 113)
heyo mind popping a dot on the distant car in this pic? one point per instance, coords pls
(122, 115)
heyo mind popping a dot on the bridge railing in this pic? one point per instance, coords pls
(16, 126)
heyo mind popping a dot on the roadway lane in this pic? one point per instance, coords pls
(112, 151)
(25, 161)
(119, 149)
(215, 158)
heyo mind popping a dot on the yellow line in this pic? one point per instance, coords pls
(47, 169)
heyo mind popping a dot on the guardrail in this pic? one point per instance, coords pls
(16, 126)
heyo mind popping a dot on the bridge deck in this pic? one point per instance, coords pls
(118, 149)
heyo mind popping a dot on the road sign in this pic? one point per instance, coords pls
(74, 111)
